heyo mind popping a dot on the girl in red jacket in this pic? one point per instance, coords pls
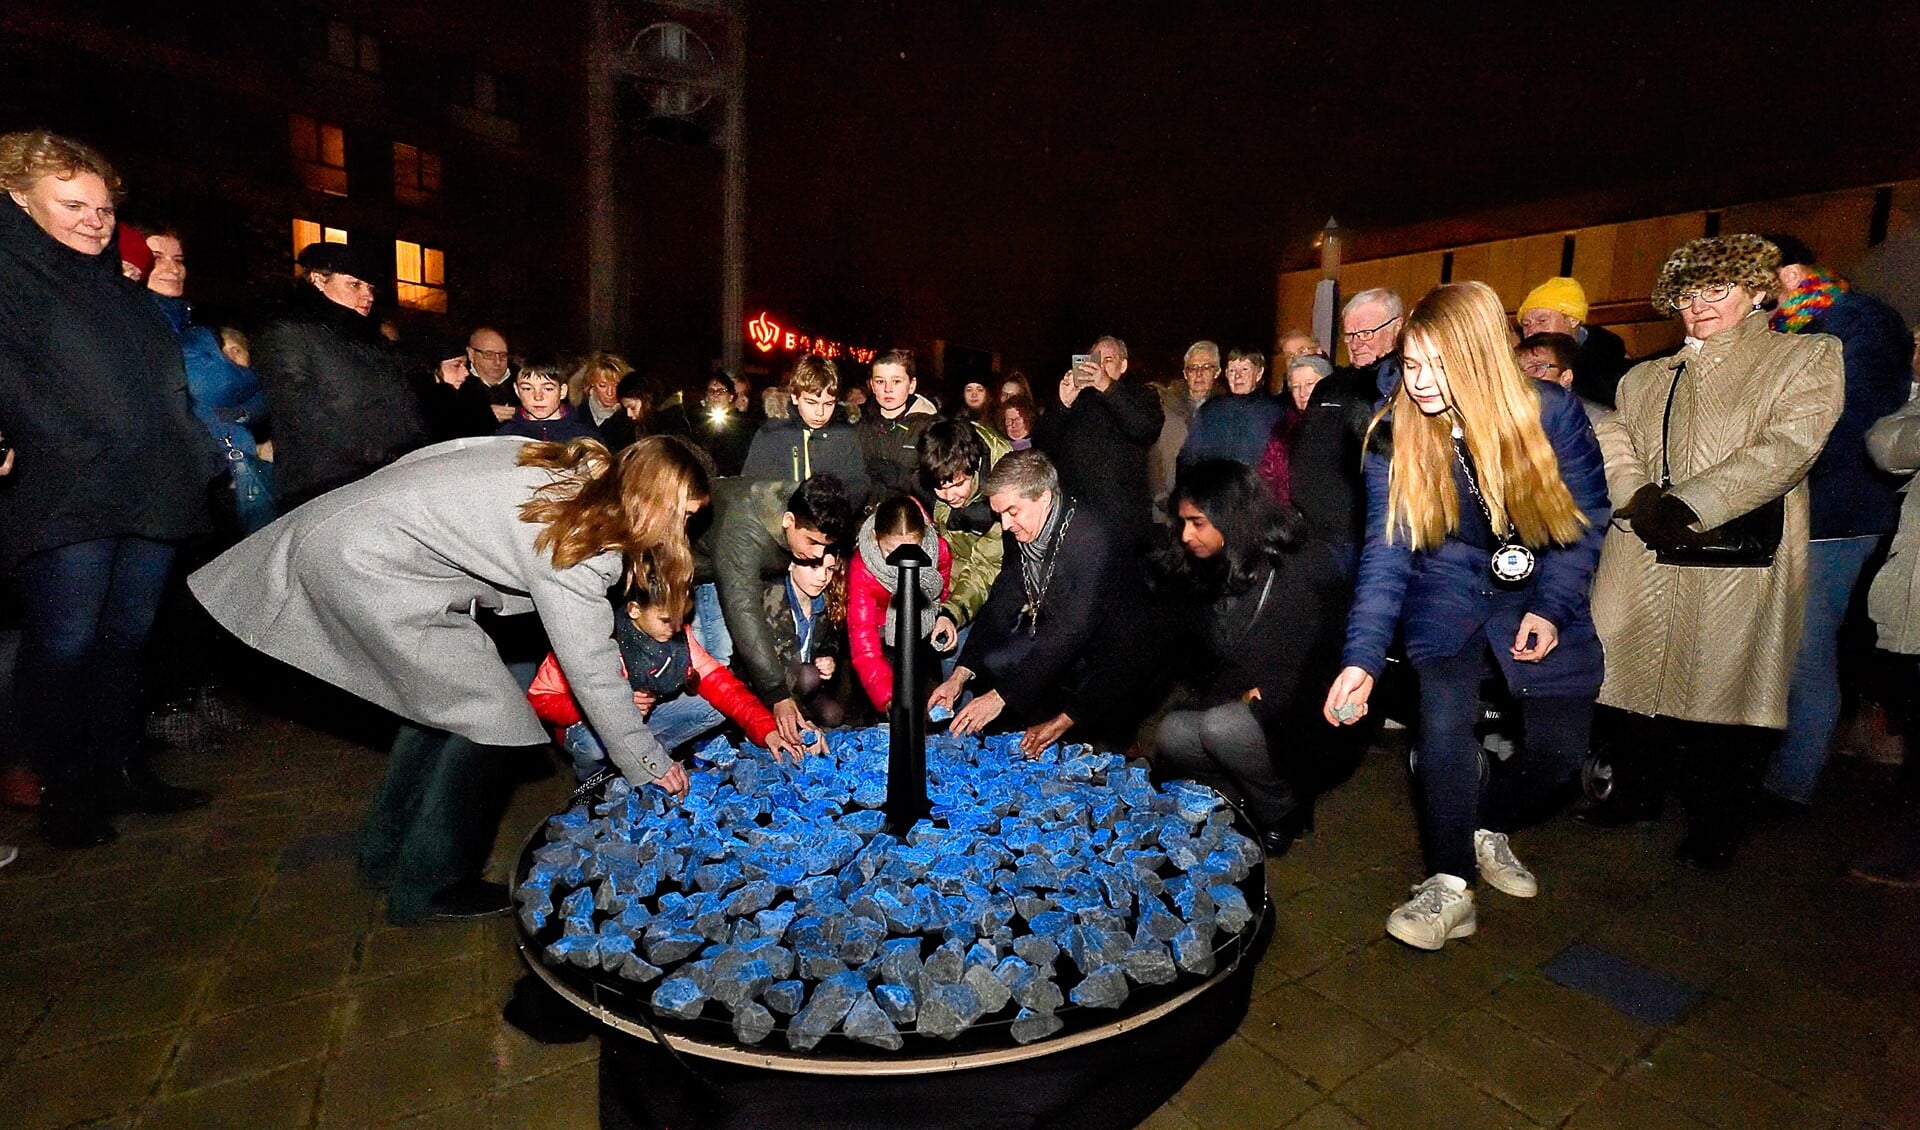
(681, 690)
(872, 582)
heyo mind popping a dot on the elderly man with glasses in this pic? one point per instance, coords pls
(1180, 401)
(473, 393)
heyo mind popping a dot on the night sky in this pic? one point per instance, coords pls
(1023, 180)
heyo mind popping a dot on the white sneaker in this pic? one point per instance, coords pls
(1441, 909)
(1500, 868)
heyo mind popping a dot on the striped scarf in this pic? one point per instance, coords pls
(1808, 300)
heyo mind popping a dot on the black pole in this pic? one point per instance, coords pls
(907, 721)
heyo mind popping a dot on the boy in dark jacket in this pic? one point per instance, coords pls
(543, 413)
(812, 441)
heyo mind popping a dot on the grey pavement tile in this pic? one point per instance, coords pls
(568, 1099)
(277, 1099)
(370, 1083)
(1410, 1092)
(1715, 1089)
(1239, 1086)
(84, 1084)
(1321, 1041)
(254, 1042)
(1571, 1021)
(421, 998)
(1541, 1081)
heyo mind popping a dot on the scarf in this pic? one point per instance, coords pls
(889, 575)
(1810, 298)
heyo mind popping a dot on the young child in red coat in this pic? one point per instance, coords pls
(871, 583)
(681, 690)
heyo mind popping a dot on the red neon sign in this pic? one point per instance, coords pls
(768, 335)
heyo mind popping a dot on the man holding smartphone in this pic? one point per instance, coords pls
(1101, 437)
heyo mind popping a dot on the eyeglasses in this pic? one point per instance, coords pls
(489, 354)
(1367, 335)
(1537, 368)
(1203, 368)
(1706, 294)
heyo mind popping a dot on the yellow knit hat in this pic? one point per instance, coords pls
(1562, 294)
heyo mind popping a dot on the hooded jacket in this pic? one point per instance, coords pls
(93, 398)
(788, 451)
(973, 535)
(892, 447)
(342, 405)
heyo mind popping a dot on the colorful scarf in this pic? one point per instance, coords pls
(1808, 300)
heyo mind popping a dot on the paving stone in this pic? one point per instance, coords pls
(1623, 1105)
(564, 1100)
(386, 1079)
(97, 1006)
(85, 1084)
(1318, 1039)
(1403, 991)
(1717, 1090)
(243, 1044)
(403, 949)
(279, 1098)
(315, 968)
(1239, 1086)
(1571, 1021)
(1544, 1082)
(1327, 1116)
(409, 1001)
(1411, 1092)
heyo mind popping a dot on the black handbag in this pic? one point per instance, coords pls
(1746, 542)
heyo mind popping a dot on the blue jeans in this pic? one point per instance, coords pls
(680, 719)
(709, 624)
(1454, 800)
(87, 610)
(1813, 701)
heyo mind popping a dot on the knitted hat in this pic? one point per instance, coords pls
(1312, 361)
(1722, 260)
(134, 249)
(334, 259)
(1563, 294)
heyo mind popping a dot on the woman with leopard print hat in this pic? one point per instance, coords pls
(1702, 580)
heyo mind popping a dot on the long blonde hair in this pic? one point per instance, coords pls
(634, 502)
(1497, 407)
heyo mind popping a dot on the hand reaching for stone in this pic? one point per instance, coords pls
(1037, 738)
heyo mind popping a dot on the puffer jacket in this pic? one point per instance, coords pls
(869, 598)
(553, 701)
(93, 398)
(973, 535)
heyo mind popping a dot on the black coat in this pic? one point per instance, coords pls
(725, 436)
(343, 406)
(1286, 646)
(1100, 446)
(456, 413)
(1599, 364)
(787, 451)
(1324, 454)
(1087, 652)
(93, 396)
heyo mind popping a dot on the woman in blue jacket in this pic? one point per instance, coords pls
(1486, 504)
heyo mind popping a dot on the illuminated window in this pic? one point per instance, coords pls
(319, 154)
(306, 233)
(355, 51)
(416, 174)
(421, 274)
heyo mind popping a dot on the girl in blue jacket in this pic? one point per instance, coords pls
(1486, 505)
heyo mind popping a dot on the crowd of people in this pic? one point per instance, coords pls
(1237, 575)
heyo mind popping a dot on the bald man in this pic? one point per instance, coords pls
(473, 393)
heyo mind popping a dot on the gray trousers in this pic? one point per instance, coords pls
(1225, 747)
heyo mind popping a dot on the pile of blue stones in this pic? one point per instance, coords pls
(774, 889)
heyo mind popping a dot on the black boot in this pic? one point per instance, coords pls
(1630, 749)
(1280, 835)
(1729, 763)
(136, 789)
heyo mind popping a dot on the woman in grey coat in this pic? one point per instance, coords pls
(374, 588)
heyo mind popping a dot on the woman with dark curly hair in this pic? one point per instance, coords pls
(1270, 626)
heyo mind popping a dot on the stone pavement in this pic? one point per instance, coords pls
(221, 968)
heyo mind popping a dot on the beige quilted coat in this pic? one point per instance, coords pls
(1894, 443)
(1751, 410)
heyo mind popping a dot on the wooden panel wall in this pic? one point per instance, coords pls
(1511, 267)
(1834, 224)
(1619, 262)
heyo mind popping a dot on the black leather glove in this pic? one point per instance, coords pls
(1666, 522)
(1641, 502)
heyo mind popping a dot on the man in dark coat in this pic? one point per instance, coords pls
(473, 394)
(341, 401)
(758, 527)
(1559, 306)
(107, 471)
(1100, 438)
(1852, 506)
(1059, 644)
